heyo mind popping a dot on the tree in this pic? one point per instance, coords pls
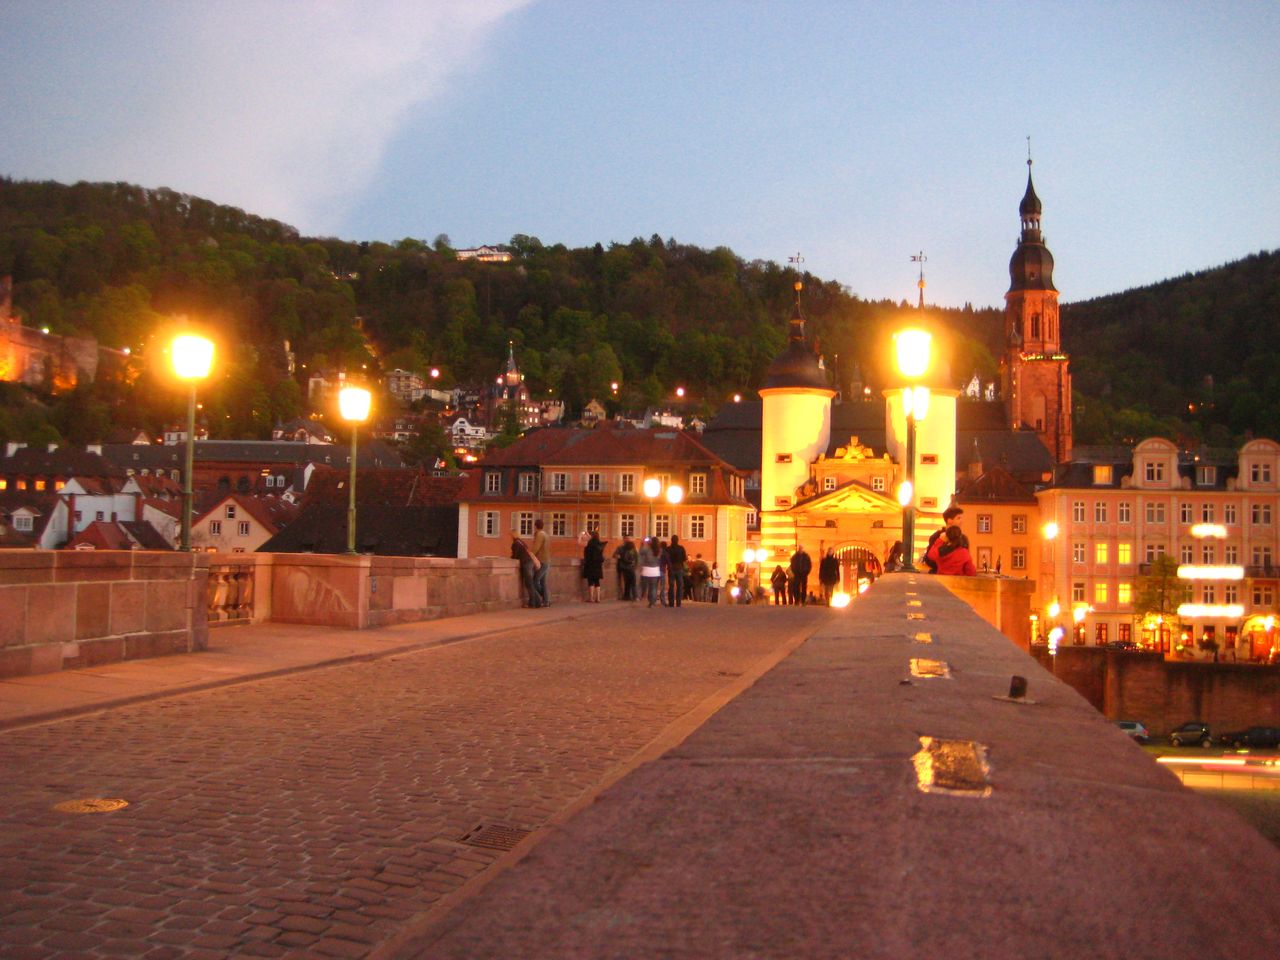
(1159, 593)
(430, 444)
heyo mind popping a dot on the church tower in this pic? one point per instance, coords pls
(796, 428)
(1035, 373)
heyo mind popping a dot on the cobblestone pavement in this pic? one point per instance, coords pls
(315, 814)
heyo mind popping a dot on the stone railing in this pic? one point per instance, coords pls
(229, 592)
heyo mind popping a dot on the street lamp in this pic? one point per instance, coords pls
(353, 403)
(912, 349)
(652, 488)
(192, 358)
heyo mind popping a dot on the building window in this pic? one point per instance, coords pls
(1229, 513)
(1126, 632)
(1230, 553)
(1124, 512)
(492, 482)
(1209, 594)
(1206, 553)
(593, 483)
(215, 528)
(1155, 513)
(23, 523)
(1259, 473)
(627, 525)
(1124, 553)
(1186, 553)
(984, 558)
(828, 483)
(1100, 552)
(1184, 513)
(99, 515)
(1124, 594)
(559, 482)
(593, 522)
(1260, 514)
(1019, 523)
(487, 523)
(662, 525)
(752, 519)
(1100, 512)
(243, 528)
(1102, 475)
(1077, 553)
(698, 484)
(528, 483)
(1206, 513)
(1153, 551)
(559, 525)
(1206, 476)
(524, 524)
(1099, 593)
(231, 511)
(1262, 597)
(1018, 558)
(79, 516)
(984, 523)
(1077, 592)
(1154, 471)
(698, 527)
(1077, 511)
(782, 458)
(1230, 593)
(626, 483)
(40, 484)
(1100, 633)
(877, 484)
(1262, 556)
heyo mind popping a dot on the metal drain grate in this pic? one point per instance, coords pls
(494, 836)
(90, 805)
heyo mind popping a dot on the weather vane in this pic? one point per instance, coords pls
(797, 259)
(1028, 150)
(920, 258)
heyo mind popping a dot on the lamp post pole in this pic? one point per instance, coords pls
(353, 404)
(913, 355)
(192, 357)
(351, 494)
(188, 486)
(909, 508)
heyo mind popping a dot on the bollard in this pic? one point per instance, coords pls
(1017, 688)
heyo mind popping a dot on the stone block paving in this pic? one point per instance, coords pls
(314, 814)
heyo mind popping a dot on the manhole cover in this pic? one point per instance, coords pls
(957, 767)
(494, 836)
(930, 668)
(90, 805)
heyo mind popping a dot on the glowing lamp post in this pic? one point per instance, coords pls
(192, 359)
(353, 403)
(912, 349)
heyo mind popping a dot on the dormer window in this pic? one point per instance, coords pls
(1259, 473)
(698, 484)
(1102, 475)
(492, 482)
(1206, 476)
(23, 523)
(1153, 471)
(231, 511)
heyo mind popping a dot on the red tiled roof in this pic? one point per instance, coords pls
(272, 513)
(995, 486)
(390, 487)
(608, 444)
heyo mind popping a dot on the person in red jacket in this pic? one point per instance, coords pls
(953, 557)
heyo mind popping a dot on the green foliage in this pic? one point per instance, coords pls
(1159, 592)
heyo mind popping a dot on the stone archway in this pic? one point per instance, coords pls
(856, 558)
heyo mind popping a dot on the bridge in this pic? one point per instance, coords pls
(607, 781)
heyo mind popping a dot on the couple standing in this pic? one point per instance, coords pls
(535, 563)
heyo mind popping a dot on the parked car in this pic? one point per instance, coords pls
(1134, 729)
(1127, 645)
(1190, 734)
(1252, 737)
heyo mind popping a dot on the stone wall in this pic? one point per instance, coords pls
(1126, 685)
(66, 609)
(1004, 602)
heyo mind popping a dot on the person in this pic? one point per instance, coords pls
(952, 516)
(677, 560)
(664, 571)
(893, 561)
(801, 566)
(650, 572)
(715, 581)
(699, 574)
(953, 556)
(528, 564)
(828, 575)
(541, 550)
(779, 583)
(744, 583)
(626, 557)
(593, 566)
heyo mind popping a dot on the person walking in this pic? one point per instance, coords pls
(542, 552)
(626, 557)
(828, 575)
(677, 558)
(650, 572)
(520, 552)
(801, 566)
(779, 583)
(593, 566)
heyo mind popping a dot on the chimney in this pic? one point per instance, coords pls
(12, 447)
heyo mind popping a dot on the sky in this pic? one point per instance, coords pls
(852, 134)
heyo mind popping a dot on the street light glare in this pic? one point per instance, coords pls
(913, 348)
(674, 494)
(353, 402)
(905, 492)
(1050, 530)
(192, 356)
(652, 486)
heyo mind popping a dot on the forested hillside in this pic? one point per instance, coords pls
(118, 262)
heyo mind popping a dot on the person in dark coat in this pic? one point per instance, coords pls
(779, 583)
(520, 551)
(801, 567)
(677, 569)
(593, 566)
(626, 556)
(829, 575)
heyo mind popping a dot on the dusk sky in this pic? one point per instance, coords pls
(853, 133)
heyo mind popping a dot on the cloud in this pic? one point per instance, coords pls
(284, 109)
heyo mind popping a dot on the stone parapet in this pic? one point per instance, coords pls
(1004, 602)
(67, 609)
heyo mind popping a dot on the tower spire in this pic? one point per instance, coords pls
(796, 333)
(920, 258)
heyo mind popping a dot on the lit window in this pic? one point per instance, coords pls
(1124, 553)
(1102, 474)
(39, 484)
(1100, 552)
(1099, 593)
(1124, 594)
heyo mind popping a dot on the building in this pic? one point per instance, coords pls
(240, 524)
(406, 385)
(508, 392)
(485, 254)
(1118, 511)
(578, 481)
(119, 535)
(301, 430)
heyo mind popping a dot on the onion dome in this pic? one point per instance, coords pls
(1031, 266)
(796, 366)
